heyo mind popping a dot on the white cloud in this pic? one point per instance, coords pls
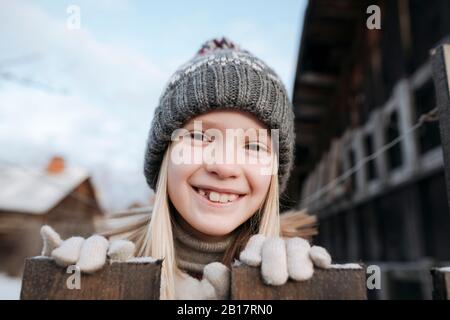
(100, 111)
(104, 93)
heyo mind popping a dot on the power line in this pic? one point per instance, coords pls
(28, 82)
(427, 117)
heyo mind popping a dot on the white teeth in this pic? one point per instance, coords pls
(218, 197)
(214, 196)
(223, 198)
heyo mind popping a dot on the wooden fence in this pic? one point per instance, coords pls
(44, 280)
(441, 283)
(440, 58)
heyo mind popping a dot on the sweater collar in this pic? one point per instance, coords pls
(193, 254)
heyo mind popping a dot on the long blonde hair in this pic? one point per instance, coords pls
(153, 233)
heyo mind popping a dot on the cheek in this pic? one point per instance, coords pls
(177, 184)
(259, 183)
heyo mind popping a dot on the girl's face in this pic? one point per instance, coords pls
(219, 171)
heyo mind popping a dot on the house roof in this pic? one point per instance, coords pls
(33, 191)
(327, 40)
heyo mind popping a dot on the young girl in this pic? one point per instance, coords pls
(219, 154)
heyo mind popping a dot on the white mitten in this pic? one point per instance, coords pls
(121, 250)
(274, 261)
(190, 288)
(88, 254)
(220, 278)
(320, 256)
(51, 240)
(93, 254)
(300, 265)
(251, 255)
(215, 284)
(68, 252)
(283, 258)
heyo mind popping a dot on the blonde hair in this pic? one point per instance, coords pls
(270, 219)
(153, 234)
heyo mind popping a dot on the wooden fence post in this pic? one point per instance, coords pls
(44, 280)
(440, 58)
(326, 284)
(441, 283)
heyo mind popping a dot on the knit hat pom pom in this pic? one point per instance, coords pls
(217, 44)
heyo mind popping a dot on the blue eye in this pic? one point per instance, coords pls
(198, 136)
(255, 147)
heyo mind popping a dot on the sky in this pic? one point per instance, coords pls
(88, 94)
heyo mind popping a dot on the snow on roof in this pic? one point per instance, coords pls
(34, 191)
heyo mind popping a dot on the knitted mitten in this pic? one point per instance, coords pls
(215, 284)
(88, 254)
(281, 258)
(189, 288)
(219, 276)
(93, 254)
(121, 250)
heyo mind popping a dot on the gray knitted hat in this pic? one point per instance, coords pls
(221, 76)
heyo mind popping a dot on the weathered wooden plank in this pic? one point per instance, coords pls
(330, 284)
(44, 280)
(441, 283)
(441, 75)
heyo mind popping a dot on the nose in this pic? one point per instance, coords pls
(224, 170)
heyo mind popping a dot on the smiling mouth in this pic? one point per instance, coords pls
(217, 197)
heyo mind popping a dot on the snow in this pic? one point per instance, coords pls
(444, 269)
(42, 258)
(346, 266)
(237, 263)
(142, 260)
(9, 287)
(34, 191)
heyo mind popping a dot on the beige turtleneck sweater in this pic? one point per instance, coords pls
(193, 254)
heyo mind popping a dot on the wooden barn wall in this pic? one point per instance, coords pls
(75, 214)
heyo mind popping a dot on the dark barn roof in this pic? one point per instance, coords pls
(329, 33)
